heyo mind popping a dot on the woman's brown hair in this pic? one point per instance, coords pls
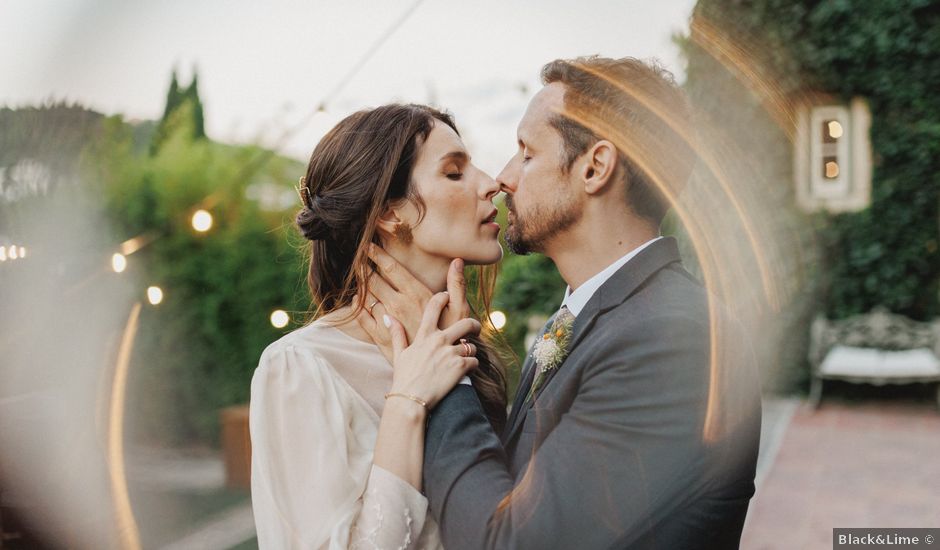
(358, 169)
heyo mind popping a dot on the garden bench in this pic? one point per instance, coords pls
(875, 348)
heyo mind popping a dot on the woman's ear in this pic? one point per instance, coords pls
(600, 165)
(388, 221)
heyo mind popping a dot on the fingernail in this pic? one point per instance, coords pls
(387, 320)
(459, 263)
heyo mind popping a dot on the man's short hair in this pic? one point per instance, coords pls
(639, 107)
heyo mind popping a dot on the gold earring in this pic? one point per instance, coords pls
(403, 233)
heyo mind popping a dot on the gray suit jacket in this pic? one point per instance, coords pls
(611, 453)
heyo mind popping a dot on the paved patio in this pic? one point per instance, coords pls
(871, 464)
(868, 464)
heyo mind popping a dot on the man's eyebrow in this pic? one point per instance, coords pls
(456, 155)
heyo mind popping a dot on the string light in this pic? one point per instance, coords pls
(3, 253)
(202, 220)
(118, 263)
(22, 252)
(498, 318)
(279, 318)
(154, 295)
(13, 253)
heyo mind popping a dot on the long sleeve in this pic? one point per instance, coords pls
(313, 483)
(625, 456)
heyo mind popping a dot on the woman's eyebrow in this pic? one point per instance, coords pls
(456, 156)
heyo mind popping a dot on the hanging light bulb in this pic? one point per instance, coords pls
(3, 253)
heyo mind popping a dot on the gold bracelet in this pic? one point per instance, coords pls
(417, 400)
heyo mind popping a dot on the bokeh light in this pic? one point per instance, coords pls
(279, 318)
(498, 318)
(835, 129)
(154, 295)
(202, 221)
(118, 263)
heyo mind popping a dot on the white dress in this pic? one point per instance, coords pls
(316, 400)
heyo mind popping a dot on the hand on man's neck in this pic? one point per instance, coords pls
(595, 242)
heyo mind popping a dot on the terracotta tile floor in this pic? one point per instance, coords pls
(872, 464)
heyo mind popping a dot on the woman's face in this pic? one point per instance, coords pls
(459, 217)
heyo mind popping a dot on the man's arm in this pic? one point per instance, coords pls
(622, 458)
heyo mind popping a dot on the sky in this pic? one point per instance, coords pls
(264, 66)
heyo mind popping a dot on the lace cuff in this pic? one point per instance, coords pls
(393, 514)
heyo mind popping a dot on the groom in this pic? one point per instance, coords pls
(616, 438)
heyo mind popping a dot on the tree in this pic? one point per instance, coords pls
(183, 108)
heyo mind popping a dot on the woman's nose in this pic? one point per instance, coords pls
(488, 186)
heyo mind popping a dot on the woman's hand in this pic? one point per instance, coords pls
(435, 361)
(407, 303)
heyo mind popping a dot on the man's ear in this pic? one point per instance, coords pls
(599, 166)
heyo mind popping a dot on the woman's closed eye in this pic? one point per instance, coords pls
(454, 176)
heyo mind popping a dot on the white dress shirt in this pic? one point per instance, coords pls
(579, 298)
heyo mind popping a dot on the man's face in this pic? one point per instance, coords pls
(541, 197)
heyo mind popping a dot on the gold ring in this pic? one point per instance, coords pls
(372, 306)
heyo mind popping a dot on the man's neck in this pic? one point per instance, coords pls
(580, 253)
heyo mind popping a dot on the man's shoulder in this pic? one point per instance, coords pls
(671, 295)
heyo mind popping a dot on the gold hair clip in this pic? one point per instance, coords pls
(303, 192)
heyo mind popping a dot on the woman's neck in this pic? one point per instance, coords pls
(429, 270)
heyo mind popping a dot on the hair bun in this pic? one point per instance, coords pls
(311, 223)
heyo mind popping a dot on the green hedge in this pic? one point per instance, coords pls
(886, 52)
(197, 350)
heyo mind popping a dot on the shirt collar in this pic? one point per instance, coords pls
(579, 298)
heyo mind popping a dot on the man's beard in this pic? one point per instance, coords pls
(530, 234)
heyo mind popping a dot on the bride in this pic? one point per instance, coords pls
(337, 421)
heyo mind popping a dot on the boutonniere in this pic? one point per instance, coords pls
(552, 349)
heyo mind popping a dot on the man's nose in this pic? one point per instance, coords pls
(507, 178)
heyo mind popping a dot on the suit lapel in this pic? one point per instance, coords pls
(525, 382)
(612, 293)
(526, 377)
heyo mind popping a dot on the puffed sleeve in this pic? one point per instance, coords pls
(312, 481)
